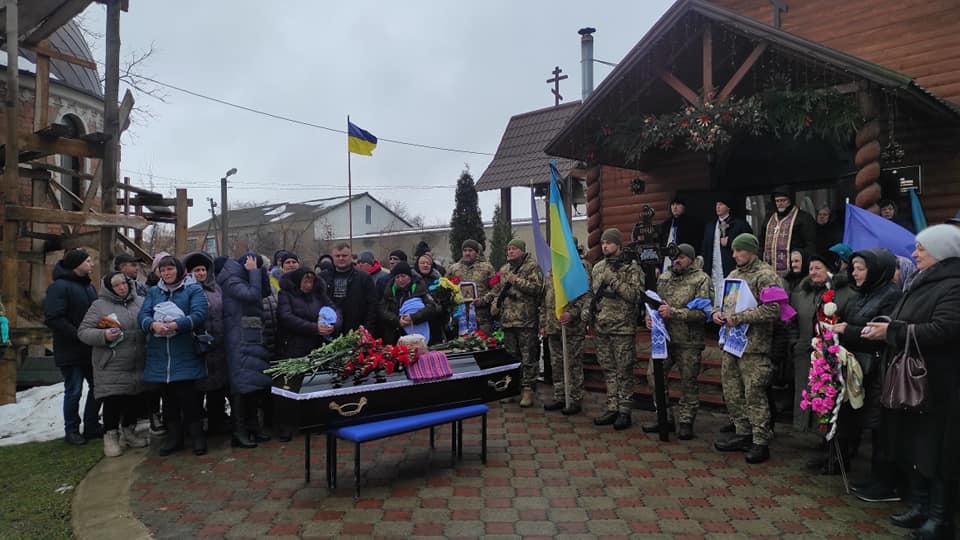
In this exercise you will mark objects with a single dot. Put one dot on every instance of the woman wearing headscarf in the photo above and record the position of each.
(926, 445)
(428, 273)
(406, 286)
(214, 387)
(110, 328)
(245, 284)
(872, 272)
(807, 299)
(906, 271)
(172, 311)
(799, 269)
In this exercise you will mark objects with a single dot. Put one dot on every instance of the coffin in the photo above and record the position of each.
(316, 405)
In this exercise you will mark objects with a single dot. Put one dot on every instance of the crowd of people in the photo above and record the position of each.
(198, 333)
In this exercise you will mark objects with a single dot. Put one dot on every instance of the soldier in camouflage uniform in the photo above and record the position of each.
(745, 379)
(617, 286)
(471, 268)
(684, 282)
(516, 300)
(576, 332)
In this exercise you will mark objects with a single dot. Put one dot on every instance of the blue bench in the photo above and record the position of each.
(372, 431)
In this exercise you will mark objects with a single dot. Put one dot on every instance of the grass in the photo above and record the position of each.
(30, 474)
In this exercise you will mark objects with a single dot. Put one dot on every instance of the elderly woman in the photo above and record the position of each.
(906, 270)
(406, 286)
(172, 311)
(872, 272)
(110, 327)
(926, 445)
(427, 270)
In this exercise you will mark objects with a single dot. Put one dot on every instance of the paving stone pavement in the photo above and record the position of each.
(547, 476)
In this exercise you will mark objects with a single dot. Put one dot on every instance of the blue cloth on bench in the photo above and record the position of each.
(385, 428)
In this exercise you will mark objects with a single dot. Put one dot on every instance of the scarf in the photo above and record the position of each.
(659, 336)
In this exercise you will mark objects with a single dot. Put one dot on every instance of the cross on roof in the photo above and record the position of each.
(556, 84)
(779, 6)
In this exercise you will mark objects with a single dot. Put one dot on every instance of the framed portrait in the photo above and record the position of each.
(468, 290)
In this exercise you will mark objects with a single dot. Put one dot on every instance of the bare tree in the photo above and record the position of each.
(400, 208)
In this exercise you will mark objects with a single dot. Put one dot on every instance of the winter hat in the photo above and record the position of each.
(829, 259)
(517, 243)
(278, 256)
(472, 244)
(612, 235)
(782, 190)
(843, 251)
(941, 241)
(156, 260)
(243, 259)
(124, 258)
(218, 264)
(422, 248)
(688, 250)
(287, 255)
(401, 268)
(747, 242)
(74, 258)
(677, 199)
(366, 257)
(400, 254)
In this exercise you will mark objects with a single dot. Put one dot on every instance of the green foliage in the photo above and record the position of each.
(466, 222)
(502, 235)
(30, 475)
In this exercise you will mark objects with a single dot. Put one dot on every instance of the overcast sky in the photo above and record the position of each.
(446, 74)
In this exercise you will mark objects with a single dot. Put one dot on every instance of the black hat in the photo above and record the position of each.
(829, 259)
(401, 268)
(366, 257)
(677, 199)
(287, 255)
(783, 190)
(218, 264)
(399, 253)
(124, 258)
(422, 248)
(74, 258)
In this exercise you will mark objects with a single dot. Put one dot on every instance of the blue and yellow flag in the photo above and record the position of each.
(919, 220)
(569, 277)
(360, 141)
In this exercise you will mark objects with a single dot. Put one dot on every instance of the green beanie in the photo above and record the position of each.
(747, 242)
(518, 243)
(612, 235)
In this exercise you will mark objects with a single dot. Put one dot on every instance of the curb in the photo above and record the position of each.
(101, 504)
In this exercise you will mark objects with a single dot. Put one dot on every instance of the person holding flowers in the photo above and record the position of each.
(406, 304)
(426, 271)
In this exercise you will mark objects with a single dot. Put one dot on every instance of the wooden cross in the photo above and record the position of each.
(779, 6)
(556, 85)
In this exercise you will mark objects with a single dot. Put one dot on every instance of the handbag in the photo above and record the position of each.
(905, 384)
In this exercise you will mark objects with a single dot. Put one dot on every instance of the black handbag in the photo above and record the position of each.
(905, 385)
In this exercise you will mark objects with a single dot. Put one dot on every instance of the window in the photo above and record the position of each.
(368, 215)
(73, 183)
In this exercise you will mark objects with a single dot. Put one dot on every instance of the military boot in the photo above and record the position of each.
(574, 408)
(526, 398)
(623, 421)
(606, 418)
(758, 453)
(737, 443)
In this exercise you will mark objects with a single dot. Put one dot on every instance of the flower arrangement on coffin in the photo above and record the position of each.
(355, 355)
(825, 384)
(477, 340)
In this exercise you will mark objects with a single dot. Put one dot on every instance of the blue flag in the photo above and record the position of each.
(542, 249)
(569, 277)
(919, 220)
(863, 229)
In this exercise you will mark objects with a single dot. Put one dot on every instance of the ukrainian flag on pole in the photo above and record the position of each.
(569, 277)
(360, 141)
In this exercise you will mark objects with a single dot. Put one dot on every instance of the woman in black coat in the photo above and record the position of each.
(872, 272)
(406, 285)
(926, 445)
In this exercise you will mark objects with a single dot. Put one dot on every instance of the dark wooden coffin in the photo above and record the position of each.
(318, 404)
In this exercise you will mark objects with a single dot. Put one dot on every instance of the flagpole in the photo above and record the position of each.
(566, 366)
(349, 186)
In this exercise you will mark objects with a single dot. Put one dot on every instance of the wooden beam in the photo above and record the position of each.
(41, 102)
(72, 147)
(33, 257)
(742, 71)
(11, 184)
(139, 190)
(61, 170)
(180, 227)
(133, 246)
(67, 10)
(125, 109)
(34, 174)
(111, 123)
(145, 201)
(50, 52)
(682, 89)
(707, 59)
(76, 198)
(49, 215)
(88, 239)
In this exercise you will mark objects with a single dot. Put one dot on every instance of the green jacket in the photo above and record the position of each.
(520, 307)
(686, 326)
(758, 275)
(617, 289)
(548, 313)
(479, 272)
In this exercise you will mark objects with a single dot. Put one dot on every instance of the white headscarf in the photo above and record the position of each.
(941, 241)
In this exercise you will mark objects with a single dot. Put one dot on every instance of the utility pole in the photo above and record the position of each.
(224, 239)
(213, 225)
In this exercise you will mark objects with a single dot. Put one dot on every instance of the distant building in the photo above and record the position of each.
(300, 227)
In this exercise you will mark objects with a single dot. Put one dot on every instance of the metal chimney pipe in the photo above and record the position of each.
(586, 61)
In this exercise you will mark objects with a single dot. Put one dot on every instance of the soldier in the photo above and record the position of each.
(471, 269)
(516, 299)
(745, 379)
(685, 281)
(617, 285)
(576, 331)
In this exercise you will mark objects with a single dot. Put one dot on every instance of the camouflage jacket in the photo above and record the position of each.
(479, 272)
(677, 290)
(548, 312)
(758, 275)
(617, 289)
(520, 307)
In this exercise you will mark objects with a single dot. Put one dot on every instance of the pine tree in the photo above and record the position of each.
(466, 222)
(502, 235)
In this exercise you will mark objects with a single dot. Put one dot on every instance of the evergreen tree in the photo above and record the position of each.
(466, 222)
(502, 235)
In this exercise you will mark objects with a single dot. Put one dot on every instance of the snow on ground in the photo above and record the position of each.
(36, 416)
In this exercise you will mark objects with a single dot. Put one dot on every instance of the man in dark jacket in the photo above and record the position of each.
(787, 229)
(352, 290)
(130, 266)
(67, 301)
(679, 228)
(718, 235)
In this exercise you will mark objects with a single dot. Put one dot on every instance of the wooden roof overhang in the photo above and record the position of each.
(697, 45)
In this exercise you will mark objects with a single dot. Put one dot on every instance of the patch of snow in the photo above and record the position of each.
(63, 489)
(281, 217)
(274, 211)
(36, 416)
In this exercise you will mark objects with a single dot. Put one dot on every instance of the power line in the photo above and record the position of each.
(301, 122)
(273, 185)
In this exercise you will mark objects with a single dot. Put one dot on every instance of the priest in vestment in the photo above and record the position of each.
(787, 229)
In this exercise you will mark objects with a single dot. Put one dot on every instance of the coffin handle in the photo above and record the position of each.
(349, 409)
(501, 385)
